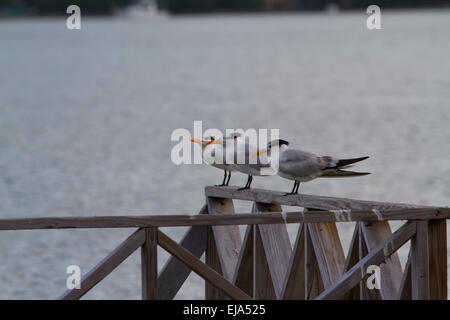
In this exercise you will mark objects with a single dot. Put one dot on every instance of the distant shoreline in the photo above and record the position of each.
(34, 13)
(233, 13)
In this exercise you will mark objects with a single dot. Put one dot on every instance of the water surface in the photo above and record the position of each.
(86, 118)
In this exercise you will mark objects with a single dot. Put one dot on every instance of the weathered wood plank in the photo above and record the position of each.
(243, 276)
(405, 291)
(353, 251)
(375, 257)
(351, 259)
(302, 200)
(174, 273)
(149, 265)
(201, 268)
(213, 261)
(420, 263)
(313, 281)
(263, 288)
(390, 271)
(277, 247)
(294, 284)
(228, 238)
(437, 248)
(328, 250)
(107, 265)
(223, 220)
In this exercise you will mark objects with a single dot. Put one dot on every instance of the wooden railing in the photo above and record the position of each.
(264, 265)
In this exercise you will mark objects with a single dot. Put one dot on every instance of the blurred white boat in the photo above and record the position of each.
(332, 8)
(142, 9)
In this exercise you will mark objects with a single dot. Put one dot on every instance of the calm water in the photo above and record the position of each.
(86, 118)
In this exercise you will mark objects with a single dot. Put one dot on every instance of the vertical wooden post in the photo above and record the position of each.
(328, 251)
(227, 238)
(263, 288)
(390, 270)
(365, 293)
(404, 292)
(420, 262)
(437, 248)
(149, 264)
(352, 259)
(277, 247)
(294, 284)
(212, 260)
(243, 276)
(223, 244)
(313, 281)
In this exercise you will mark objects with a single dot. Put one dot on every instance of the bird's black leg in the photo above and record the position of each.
(224, 178)
(295, 185)
(247, 185)
(251, 180)
(298, 185)
(229, 177)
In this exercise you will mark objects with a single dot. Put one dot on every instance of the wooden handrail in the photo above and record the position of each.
(224, 219)
(264, 265)
(303, 200)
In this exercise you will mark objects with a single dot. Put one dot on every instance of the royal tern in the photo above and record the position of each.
(303, 166)
(241, 155)
(213, 153)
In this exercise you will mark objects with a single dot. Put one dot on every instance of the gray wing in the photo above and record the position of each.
(299, 163)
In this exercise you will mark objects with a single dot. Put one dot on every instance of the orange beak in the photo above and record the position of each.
(205, 142)
(257, 153)
(213, 142)
(196, 140)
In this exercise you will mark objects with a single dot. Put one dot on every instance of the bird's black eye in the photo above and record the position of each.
(212, 138)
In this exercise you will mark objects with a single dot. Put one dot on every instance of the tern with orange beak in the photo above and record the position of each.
(303, 166)
(241, 154)
(213, 153)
